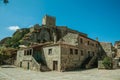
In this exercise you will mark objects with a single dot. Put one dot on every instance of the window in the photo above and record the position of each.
(93, 53)
(88, 53)
(25, 52)
(76, 51)
(30, 51)
(81, 52)
(96, 45)
(49, 51)
(88, 42)
(71, 51)
(81, 40)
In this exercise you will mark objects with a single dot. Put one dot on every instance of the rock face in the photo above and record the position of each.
(16, 38)
(50, 34)
(47, 32)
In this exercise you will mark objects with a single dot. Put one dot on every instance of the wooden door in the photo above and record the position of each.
(20, 64)
(55, 65)
(28, 66)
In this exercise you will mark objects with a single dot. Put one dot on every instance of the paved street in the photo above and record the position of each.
(12, 73)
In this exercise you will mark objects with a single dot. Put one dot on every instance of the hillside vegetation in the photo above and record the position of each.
(14, 41)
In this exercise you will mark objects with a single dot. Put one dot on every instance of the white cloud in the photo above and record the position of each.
(13, 28)
(30, 26)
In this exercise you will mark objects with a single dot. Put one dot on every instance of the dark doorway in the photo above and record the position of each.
(20, 64)
(28, 67)
(55, 65)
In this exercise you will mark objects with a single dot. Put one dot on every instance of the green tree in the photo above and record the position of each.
(107, 62)
(17, 37)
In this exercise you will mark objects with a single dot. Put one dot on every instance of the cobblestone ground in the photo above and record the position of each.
(92, 74)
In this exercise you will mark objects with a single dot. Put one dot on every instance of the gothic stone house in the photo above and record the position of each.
(59, 48)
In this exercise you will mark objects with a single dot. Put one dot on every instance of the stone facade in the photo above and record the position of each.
(117, 47)
(52, 57)
(69, 53)
(70, 57)
(26, 60)
(71, 38)
(107, 49)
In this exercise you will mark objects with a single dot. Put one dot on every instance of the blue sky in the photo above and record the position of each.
(97, 18)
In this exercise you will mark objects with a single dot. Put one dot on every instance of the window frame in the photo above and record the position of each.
(71, 51)
(81, 40)
(88, 43)
(76, 51)
(81, 53)
(88, 53)
(50, 51)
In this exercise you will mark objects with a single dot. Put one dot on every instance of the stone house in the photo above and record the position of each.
(117, 47)
(71, 53)
(58, 48)
(59, 57)
(111, 51)
(108, 49)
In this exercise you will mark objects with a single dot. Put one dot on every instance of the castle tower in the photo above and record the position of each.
(49, 21)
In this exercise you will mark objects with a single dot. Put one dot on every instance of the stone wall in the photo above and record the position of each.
(51, 54)
(117, 47)
(118, 52)
(20, 54)
(88, 46)
(71, 38)
(100, 65)
(27, 61)
(70, 60)
(26, 64)
(74, 60)
(107, 47)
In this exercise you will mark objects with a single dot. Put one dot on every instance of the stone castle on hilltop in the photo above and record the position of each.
(60, 48)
